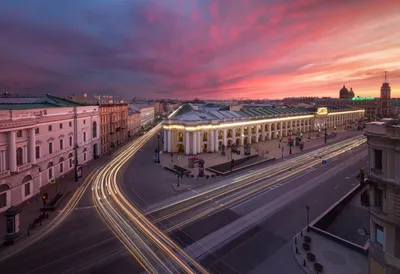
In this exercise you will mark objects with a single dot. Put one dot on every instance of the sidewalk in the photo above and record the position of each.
(65, 184)
(334, 257)
(271, 146)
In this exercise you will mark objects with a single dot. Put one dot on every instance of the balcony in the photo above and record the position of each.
(376, 252)
(4, 174)
(24, 167)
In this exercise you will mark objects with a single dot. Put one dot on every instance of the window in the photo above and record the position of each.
(37, 130)
(61, 144)
(50, 170)
(20, 155)
(50, 148)
(378, 159)
(70, 141)
(61, 162)
(50, 128)
(37, 152)
(61, 126)
(70, 124)
(84, 136)
(378, 198)
(84, 156)
(379, 234)
(3, 199)
(19, 133)
(27, 188)
(94, 129)
(70, 160)
(84, 121)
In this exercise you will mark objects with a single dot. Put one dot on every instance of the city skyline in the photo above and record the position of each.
(202, 49)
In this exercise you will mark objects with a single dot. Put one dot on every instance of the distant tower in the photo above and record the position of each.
(385, 98)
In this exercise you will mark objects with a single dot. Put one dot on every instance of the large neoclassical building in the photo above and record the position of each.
(197, 129)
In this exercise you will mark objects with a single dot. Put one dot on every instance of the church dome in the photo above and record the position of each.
(344, 90)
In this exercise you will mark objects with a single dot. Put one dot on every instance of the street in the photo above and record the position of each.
(84, 244)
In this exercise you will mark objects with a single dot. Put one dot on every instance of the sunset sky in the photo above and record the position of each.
(215, 49)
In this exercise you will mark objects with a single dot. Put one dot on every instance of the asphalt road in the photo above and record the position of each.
(83, 243)
(265, 248)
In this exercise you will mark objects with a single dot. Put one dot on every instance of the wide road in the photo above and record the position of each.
(264, 246)
(84, 244)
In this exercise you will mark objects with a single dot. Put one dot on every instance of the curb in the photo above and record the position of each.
(302, 259)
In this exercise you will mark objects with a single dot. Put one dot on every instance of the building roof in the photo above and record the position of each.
(189, 114)
(9, 101)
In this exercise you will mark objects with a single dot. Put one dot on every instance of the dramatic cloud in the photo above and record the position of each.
(199, 48)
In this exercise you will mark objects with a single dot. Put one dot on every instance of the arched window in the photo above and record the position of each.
(61, 162)
(20, 156)
(26, 179)
(4, 198)
(70, 160)
(50, 170)
(27, 186)
(94, 129)
(180, 137)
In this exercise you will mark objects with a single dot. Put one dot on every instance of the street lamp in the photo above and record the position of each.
(308, 218)
(177, 178)
(326, 134)
(290, 143)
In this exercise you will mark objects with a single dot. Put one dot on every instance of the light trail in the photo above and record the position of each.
(299, 164)
(145, 242)
(54, 223)
(257, 189)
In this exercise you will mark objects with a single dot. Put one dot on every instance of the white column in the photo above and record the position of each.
(241, 136)
(216, 140)
(281, 133)
(194, 143)
(12, 153)
(212, 139)
(234, 136)
(257, 133)
(396, 164)
(165, 140)
(199, 142)
(169, 140)
(3, 161)
(224, 137)
(187, 143)
(32, 146)
(263, 132)
(25, 155)
(269, 132)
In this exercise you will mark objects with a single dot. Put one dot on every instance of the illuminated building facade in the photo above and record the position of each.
(198, 131)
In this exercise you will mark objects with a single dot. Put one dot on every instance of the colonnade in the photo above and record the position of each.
(194, 140)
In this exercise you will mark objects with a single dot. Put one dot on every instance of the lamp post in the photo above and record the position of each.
(290, 143)
(177, 179)
(158, 149)
(326, 134)
(308, 218)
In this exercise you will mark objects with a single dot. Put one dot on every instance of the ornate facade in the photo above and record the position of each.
(199, 131)
(384, 181)
(42, 141)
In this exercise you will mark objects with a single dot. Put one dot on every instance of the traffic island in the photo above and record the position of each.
(240, 164)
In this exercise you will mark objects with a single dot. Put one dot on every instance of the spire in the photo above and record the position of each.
(385, 77)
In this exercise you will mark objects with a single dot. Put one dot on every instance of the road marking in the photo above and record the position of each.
(336, 186)
(84, 207)
(347, 178)
(315, 201)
